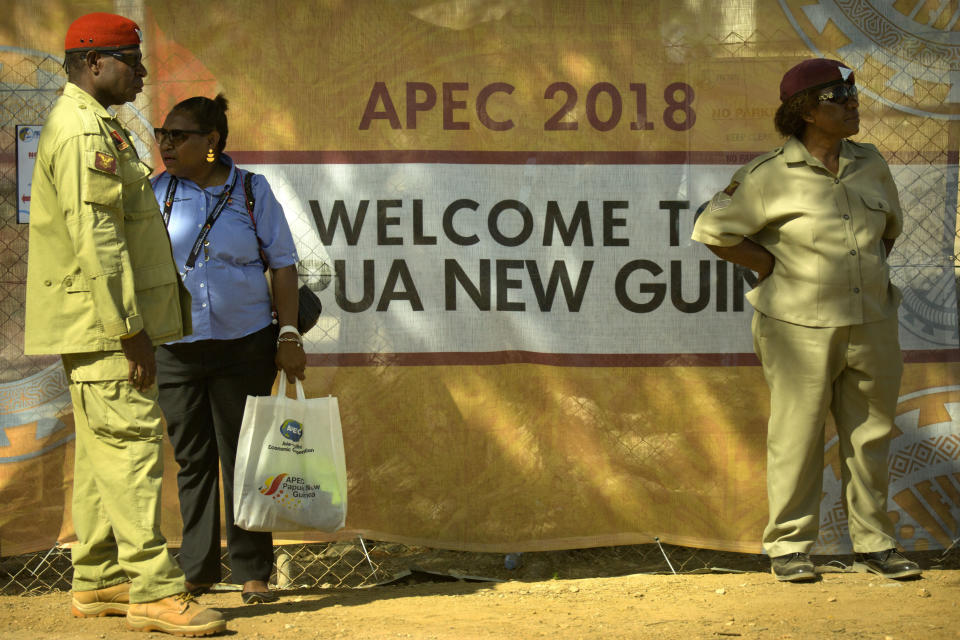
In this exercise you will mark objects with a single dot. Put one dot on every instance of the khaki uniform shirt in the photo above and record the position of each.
(826, 233)
(100, 263)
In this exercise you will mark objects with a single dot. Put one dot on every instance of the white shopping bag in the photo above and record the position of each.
(290, 470)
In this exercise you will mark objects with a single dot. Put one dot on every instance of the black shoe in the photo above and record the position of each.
(889, 564)
(793, 567)
(258, 597)
(197, 588)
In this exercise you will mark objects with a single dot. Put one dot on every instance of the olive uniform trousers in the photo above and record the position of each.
(854, 372)
(117, 478)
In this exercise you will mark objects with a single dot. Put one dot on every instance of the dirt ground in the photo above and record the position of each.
(576, 600)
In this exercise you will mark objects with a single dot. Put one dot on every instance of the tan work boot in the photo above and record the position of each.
(109, 601)
(179, 615)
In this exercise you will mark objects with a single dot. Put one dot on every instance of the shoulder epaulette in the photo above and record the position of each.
(751, 166)
(87, 117)
(864, 145)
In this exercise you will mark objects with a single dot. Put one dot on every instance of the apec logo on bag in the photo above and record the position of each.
(291, 491)
(291, 430)
(272, 485)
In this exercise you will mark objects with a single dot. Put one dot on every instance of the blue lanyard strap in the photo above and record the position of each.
(205, 230)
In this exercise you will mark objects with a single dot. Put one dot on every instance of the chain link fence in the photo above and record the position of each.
(365, 563)
(29, 84)
(299, 566)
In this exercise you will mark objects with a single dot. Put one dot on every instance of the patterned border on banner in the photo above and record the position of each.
(40, 400)
(924, 476)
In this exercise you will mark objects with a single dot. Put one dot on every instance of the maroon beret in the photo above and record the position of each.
(102, 31)
(816, 72)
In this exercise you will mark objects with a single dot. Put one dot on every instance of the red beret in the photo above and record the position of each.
(102, 31)
(817, 72)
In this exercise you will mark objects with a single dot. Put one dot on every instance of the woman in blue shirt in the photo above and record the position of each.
(222, 250)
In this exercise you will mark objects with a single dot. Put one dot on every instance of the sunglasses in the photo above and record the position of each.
(175, 136)
(839, 94)
(131, 59)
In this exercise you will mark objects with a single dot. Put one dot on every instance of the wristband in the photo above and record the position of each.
(288, 328)
(295, 340)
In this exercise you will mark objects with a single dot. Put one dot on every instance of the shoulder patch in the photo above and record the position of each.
(731, 188)
(118, 141)
(105, 162)
(719, 201)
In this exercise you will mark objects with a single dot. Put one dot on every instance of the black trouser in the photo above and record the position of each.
(203, 390)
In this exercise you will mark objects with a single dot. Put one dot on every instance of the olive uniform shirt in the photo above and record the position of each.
(100, 263)
(826, 233)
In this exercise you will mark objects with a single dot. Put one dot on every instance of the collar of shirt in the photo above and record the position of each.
(795, 152)
(73, 91)
(216, 190)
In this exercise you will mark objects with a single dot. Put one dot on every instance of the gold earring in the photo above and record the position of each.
(210, 156)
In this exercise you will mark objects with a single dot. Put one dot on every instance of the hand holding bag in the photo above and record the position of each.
(290, 471)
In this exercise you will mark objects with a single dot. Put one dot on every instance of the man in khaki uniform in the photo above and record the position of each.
(102, 290)
(816, 220)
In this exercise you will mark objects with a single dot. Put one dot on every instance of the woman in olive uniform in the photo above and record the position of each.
(816, 220)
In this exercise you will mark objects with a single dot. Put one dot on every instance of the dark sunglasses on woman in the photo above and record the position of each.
(176, 136)
(839, 94)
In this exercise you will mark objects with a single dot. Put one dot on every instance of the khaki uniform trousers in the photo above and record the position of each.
(117, 477)
(854, 372)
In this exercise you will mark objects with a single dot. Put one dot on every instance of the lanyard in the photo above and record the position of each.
(205, 230)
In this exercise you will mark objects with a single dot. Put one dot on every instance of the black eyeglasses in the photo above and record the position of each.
(175, 136)
(131, 59)
(839, 94)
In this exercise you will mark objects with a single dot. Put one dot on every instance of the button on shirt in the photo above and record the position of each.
(230, 295)
(825, 232)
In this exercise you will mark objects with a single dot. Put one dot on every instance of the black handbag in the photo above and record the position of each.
(309, 307)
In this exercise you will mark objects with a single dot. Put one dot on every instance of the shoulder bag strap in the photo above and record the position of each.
(251, 201)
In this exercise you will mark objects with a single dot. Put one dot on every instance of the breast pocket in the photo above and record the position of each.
(102, 183)
(875, 203)
(877, 211)
(138, 198)
(158, 297)
(146, 235)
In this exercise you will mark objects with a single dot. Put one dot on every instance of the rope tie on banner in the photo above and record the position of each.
(33, 571)
(943, 555)
(657, 540)
(366, 555)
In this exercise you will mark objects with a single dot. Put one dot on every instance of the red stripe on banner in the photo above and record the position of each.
(395, 156)
(468, 358)
(931, 355)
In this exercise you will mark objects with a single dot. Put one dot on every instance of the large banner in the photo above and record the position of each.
(494, 200)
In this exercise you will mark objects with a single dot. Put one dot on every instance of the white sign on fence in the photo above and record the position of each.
(28, 137)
